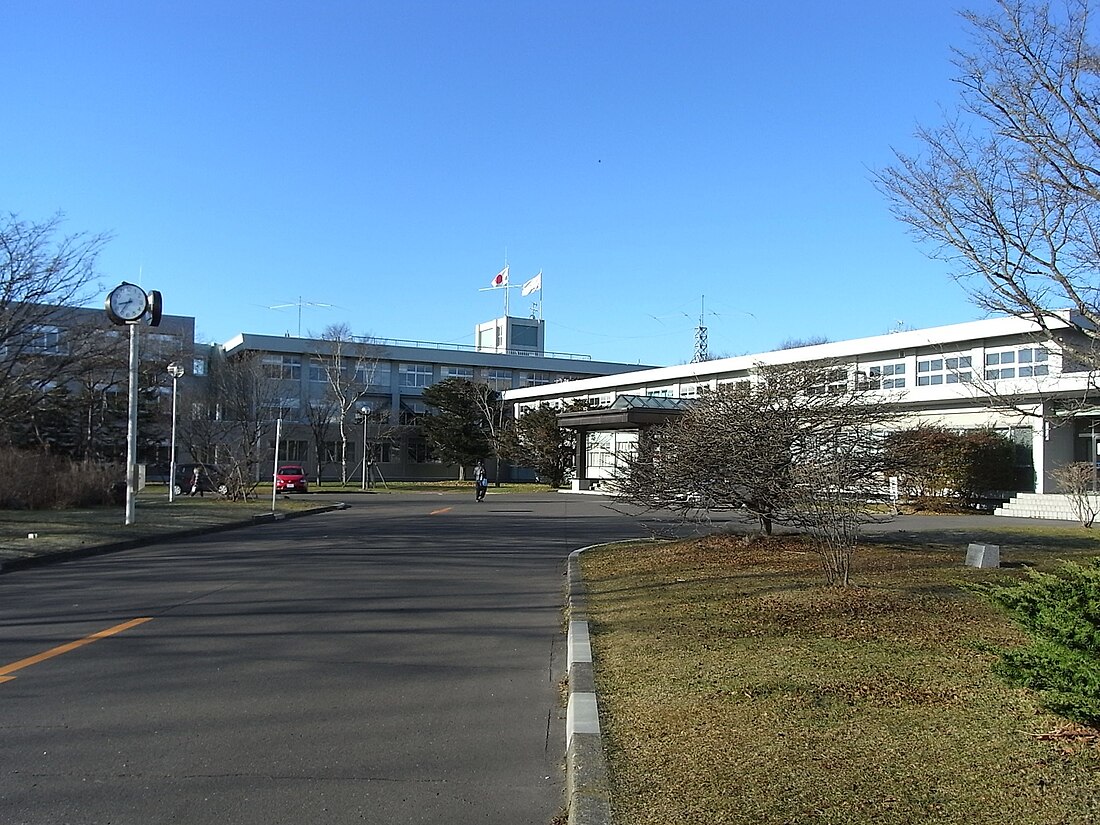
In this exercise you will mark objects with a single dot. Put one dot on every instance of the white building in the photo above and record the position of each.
(1001, 373)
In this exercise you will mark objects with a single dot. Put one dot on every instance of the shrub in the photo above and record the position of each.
(1062, 611)
(933, 462)
(38, 481)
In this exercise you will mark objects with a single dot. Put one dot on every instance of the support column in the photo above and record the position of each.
(580, 473)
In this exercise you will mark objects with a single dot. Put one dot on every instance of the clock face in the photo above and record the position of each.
(127, 302)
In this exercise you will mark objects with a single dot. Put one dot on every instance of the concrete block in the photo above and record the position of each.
(983, 555)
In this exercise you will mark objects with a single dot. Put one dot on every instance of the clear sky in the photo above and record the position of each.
(385, 157)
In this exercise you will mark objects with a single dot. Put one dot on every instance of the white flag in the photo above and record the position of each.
(534, 285)
(501, 278)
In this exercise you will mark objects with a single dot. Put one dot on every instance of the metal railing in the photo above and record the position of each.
(404, 342)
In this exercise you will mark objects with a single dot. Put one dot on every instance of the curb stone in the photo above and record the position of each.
(26, 562)
(586, 785)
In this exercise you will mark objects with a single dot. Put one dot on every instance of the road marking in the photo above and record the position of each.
(441, 510)
(66, 648)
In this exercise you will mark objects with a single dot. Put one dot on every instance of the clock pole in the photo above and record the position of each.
(130, 305)
(131, 429)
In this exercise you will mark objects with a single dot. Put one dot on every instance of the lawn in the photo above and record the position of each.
(735, 687)
(62, 530)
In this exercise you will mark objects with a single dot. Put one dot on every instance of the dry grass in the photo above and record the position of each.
(70, 529)
(736, 688)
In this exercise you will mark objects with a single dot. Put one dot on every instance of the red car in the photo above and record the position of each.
(291, 478)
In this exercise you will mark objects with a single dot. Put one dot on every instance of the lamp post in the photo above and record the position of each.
(175, 370)
(364, 413)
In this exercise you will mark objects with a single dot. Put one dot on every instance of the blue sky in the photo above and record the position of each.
(384, 157)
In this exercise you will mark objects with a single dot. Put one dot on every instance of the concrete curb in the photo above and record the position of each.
(586, 784)
(26, 562)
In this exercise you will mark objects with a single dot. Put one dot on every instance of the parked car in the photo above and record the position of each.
(211, 479)
(291, 478)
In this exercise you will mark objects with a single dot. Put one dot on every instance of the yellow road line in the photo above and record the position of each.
(66, 648)
(441, 510)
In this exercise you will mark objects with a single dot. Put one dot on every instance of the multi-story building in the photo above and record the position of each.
(384, 381)
(1001, 373)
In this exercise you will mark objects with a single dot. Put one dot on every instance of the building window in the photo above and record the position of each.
(283, 367)
(660, 392)
(198, 366)
(412, 412)
(416, 375)
(466, 373)
(1025, 362)
(829, 382)
(45, 340)
(419, 451)
(499, 379)
(373, 374)
(886, 377)
(292, 450)
(954, 369)
(534, 379)
(317, 372)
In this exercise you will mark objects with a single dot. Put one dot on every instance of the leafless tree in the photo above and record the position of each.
(42, 274)
(1078, 481)
(348, 363)
(319, 414)
(1008, 188)
(235, 418)
(791, 445)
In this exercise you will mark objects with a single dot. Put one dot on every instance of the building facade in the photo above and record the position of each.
(384, 380)
(1003, 373)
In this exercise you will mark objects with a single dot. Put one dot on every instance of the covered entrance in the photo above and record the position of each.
(605, 434)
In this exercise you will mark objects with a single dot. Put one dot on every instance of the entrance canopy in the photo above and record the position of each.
(629, 412)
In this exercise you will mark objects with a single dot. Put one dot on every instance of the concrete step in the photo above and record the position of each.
(1044, 505)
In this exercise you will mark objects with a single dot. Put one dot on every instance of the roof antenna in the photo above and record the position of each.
(701, 334)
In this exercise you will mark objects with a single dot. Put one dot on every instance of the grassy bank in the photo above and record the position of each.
(736, 688)
(58, 530)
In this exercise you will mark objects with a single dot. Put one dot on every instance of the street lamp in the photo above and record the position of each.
(175, 370)
(364, 413)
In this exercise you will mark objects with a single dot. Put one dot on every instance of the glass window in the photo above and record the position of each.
(499, 379)
(283, 367)
(534, 379)
(885, 377)
(459, 372)
(375, 374)
(317, 372)
(416, 375)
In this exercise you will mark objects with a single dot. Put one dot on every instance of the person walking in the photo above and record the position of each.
(196, 483)
(481, 480)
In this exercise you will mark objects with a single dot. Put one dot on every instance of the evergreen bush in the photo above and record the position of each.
(1061, 610)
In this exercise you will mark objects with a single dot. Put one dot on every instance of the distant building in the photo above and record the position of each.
(508, 353)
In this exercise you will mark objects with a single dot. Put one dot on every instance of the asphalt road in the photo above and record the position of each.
(397, 662)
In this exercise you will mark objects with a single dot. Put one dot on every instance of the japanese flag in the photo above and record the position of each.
(501, 278)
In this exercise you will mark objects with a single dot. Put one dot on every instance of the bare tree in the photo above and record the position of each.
(348, 366)
(42, 275)
(319, 414)
(1078, 481)
(792, 445)
(1008, 189)
(235, 418)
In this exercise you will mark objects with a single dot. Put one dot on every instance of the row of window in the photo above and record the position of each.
(415, 451)
(1027, 362)
(289, 368)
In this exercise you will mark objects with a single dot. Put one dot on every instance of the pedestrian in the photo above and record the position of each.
(196, 483)
(481, 480)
